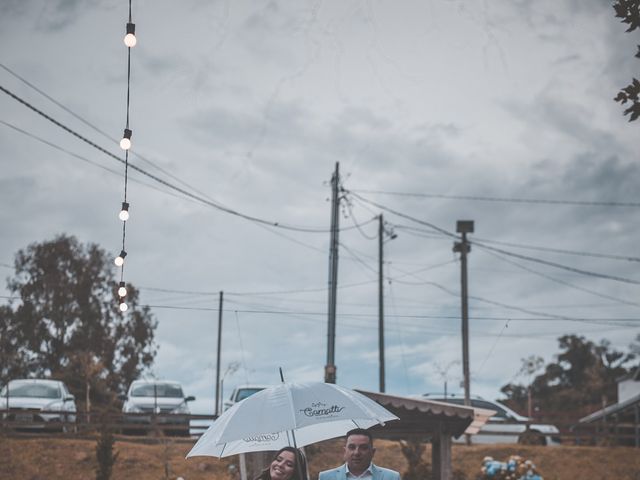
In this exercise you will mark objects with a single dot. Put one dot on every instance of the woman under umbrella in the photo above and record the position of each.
(288, 463)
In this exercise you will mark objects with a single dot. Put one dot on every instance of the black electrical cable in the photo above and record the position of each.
(503, 199)
(168, 184)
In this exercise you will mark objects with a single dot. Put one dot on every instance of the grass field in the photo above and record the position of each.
(55, 458)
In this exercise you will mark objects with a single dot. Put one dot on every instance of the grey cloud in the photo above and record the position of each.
(602, 179)
(13, 8)
(57, 15)
(219, 124)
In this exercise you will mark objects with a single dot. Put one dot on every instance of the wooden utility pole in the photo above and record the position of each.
(217, 412)
(463, 227)
(330, 367)
(381, 303)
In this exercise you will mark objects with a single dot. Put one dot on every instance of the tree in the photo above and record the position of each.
(67, 315)
(583, 375)
(629, 12)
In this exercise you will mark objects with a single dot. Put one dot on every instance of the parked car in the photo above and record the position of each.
(38, 404)
(156, 401)
(506, 426)
(241, 392)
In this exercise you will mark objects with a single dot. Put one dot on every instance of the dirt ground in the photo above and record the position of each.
(54, 458)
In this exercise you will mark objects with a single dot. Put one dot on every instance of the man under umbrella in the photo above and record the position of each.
(358, 456)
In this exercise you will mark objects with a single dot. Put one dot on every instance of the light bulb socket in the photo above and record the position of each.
(122, 254)
(125, 206)
(131, 28)
(127, 133)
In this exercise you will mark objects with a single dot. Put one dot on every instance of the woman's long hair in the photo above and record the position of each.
(300, 470)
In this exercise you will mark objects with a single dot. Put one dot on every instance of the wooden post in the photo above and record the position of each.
(441, 453)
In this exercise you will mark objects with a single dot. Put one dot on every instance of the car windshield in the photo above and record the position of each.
(247, 392)
(31, 390)
(164, 390)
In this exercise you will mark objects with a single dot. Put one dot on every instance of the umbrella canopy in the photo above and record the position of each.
(294, 414)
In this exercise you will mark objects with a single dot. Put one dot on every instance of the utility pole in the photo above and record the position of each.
(463, 227)
(380, 303)
(382, 231)
(217, 412)
(330, 367)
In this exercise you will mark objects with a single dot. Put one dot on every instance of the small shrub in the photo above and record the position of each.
(104, 453)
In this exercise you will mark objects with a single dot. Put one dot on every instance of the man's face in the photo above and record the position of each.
(358, 453)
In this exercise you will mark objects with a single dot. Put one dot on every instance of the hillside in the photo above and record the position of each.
(42, 458)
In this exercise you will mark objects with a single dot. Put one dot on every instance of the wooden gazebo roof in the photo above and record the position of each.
(424, 418)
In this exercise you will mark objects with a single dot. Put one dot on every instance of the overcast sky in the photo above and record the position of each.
(432, 109)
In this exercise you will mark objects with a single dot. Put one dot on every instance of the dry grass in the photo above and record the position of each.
(54, 458)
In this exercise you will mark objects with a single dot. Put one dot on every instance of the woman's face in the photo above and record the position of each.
(283, 466)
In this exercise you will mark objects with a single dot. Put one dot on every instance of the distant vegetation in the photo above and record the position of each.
(580, 380)
(63, 321)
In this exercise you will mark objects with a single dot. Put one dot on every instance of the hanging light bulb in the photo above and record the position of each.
(123, 306)
(130, 38)
(122, 290)
(125, 143)
(119, 261)
(124, 213)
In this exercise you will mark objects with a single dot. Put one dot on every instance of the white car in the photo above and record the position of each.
(38, 404)
(241, 392)
(506, 426)
(162, 402)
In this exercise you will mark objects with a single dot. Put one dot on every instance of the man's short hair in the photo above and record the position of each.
(360, 431)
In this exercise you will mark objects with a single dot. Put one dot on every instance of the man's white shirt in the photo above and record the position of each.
(366, 475)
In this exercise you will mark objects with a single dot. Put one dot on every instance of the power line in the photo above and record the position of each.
(258, 293)
(353, 218)
(504, 199)
(94, 127)
(358, 259)
(80, 157)
(506, 325)
(562, 282)
(416, 328)
(416, 317)
(558, 265)
(505, 252)
(403, 215)
(427, 234)
(89, 161)
(164, 182)
(564, 251)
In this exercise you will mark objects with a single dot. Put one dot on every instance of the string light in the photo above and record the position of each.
(125, 143)
(123, 306)
(124, 212)
(119, 261)
(122, 290)
(130, 39)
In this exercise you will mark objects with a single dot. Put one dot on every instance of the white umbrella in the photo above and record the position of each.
(289, 414)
